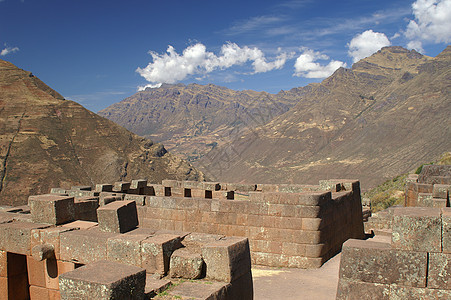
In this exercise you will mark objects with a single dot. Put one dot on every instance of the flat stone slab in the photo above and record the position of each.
(103, 280)
(200, 290)
(155, 286)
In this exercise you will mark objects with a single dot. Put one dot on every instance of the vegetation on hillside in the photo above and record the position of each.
(392, 192)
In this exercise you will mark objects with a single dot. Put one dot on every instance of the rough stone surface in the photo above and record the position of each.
(227, 259)
(84, 246)
(439, 273)
(350, 289)
(200, 290)
(186, 264)
(156, 252)
(417, 229)
(103, 280)
(446, 229)
(118, 216)
(126, 249)
(378, 263)
(52, 209)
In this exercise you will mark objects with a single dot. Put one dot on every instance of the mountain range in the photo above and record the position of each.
(47, 141)
(382, 117)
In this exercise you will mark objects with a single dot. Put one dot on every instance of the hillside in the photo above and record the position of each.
(193, 119)
(384, 116)
(46, 141)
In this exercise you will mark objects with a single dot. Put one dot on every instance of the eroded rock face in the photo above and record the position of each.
(47, 141)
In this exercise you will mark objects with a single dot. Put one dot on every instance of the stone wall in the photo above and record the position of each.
(288, 225)
(415, 265)
(47, 253)
(430, 188)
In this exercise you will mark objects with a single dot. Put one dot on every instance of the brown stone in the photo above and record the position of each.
(16, 236)
(350, 289)
(402, 292)
(186, 263)
(121, 186)
(378, 263)
(156, 252)
(227, 259)
(446, 229)
(126, 249)
(103, 280)
(118, 216)
(439, 271)
(417, 229)
(84, 246)
(201, 290)
(52, 209)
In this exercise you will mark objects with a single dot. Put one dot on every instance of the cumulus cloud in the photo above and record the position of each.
(172, 67)
(366, 43)
(306, 65)
(8, 50)
(432, 23)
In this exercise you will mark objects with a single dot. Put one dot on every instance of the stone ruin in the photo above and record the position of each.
(416, 261)
(57, 248)
(415, 264)
(428, 189)
(133, 239)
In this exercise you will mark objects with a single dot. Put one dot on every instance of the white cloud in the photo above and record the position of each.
(365, 44)
(8, 50)
(306, 65)
(152, 86)
(252, 24)
(172, 67)
(432, 23)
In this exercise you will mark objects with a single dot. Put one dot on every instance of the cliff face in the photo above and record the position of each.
(383, 117)
(46, 141)
(193, 119)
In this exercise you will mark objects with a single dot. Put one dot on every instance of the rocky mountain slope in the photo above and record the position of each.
(385, 116)
(46, 141)
(193, 119)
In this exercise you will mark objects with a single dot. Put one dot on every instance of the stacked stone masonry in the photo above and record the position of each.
(56, 248)
(430, 188)
(415, 265)
(299, 226)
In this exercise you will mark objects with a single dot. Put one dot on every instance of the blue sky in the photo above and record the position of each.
(100, 52)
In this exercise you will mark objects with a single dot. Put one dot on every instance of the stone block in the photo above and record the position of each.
(171, 183)
(106, 198)
(138, 184)
(118, 216)
(424, 200)
(189, 184)
(350, 289)
(441, 191)
(3, 263)
(211, 186)
(103, 188)
(439, 271)
(227, 259)
(60, 191)
(156, 252)
(53, 269)
(126, 249)
(446, 229)
(36, 272)
(155, 286)
(398, 292)
(121, 186)
(376, 262)
(417, 229)
(84, 246)
(201, 290)
(16, 237)
(186, 263)
(85, 208)
(139, 199)
(82, 225)
(103, 280)
(52, 209)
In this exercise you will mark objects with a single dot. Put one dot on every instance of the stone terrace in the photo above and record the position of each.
(55, 250)
(298, 226)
